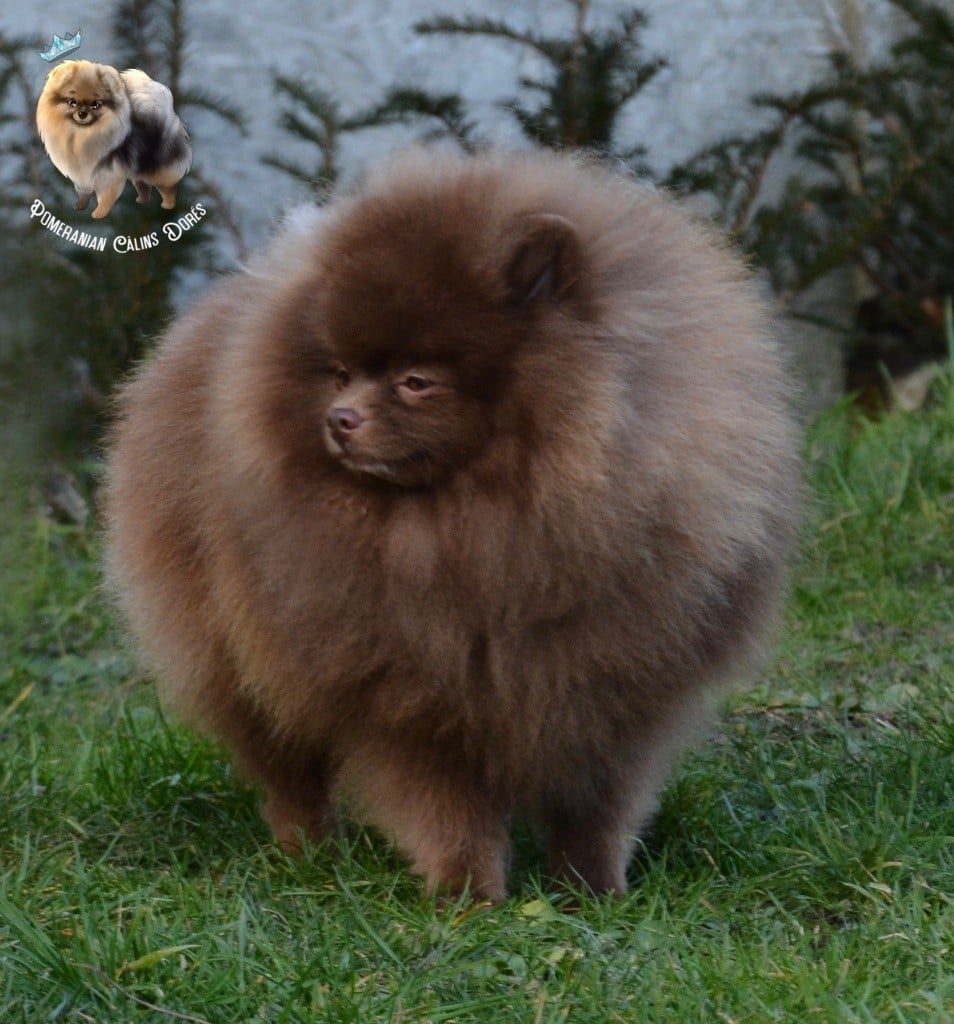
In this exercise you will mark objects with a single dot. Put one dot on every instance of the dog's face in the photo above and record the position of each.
(397, 401)
(407, 423)
(83, 95)
(418, 328)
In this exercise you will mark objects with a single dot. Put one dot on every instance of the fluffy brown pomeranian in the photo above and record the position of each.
(101, 127)
(458, 508)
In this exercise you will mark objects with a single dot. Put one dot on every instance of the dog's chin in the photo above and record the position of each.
(381, 470)
(412, 471)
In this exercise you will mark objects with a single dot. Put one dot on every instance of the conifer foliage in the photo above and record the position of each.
(874, 152)
(312, 116)
(587, 82)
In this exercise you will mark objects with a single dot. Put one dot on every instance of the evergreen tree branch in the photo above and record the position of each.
(201, 99)
(484, 27)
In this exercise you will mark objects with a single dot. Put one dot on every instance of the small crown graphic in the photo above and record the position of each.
(62, 45)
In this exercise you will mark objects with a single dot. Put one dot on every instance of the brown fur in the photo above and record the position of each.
(562, 519)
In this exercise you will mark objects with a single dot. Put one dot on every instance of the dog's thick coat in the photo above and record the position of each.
(458, 506)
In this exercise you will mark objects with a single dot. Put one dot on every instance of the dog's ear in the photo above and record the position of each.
(111, 79)
(62, 73)
(544, 258)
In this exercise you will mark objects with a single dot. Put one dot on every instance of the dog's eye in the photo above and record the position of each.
(342, 377)
(94, 105)
(416, 383)
(71, 103)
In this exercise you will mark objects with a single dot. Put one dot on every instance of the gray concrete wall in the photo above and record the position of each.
(720, 53)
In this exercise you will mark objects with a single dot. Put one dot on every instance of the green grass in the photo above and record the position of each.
(802, 868)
